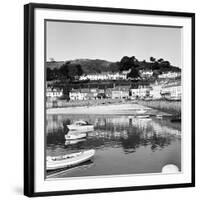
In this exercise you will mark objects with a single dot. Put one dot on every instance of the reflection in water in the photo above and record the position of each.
(123, 144)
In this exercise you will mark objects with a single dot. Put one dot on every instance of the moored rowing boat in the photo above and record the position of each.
(69, 160)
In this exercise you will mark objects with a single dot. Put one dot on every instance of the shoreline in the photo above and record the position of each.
(111, 109)
(171, 107)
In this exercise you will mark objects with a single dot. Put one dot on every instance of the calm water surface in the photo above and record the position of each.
(123, 144)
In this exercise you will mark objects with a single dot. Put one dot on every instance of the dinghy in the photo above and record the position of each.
(81, 126)
(141, 111)
(70, 142)
(69, 160)
(75, 136)
(142, 116)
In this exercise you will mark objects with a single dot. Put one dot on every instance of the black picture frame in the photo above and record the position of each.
(29, 95)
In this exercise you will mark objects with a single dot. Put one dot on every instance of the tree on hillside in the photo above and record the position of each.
(49, 74)
(127, 63)
(74, 70)
(79, 70)
(134, 73)
(155, 66)
(165, 64)
(64, 71)
(69, 71)
(144, 61)
(160, 60)
(132, 59)
(156, 73)
(52, 74)
(124, 63)
(152, 59)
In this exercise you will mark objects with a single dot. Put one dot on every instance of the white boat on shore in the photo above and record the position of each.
(69, 160)
(81, 126)
(75, 136)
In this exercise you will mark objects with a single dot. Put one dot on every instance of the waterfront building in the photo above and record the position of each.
(84, 94)
(120, 92)
(172, 91)
(155, 91)
(140, 92)
(53, 93)
(76, 94)
(94, 92)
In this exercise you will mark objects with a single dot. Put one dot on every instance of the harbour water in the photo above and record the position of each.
(124, 144)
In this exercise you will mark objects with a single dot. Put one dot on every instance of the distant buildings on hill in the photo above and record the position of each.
(146, 74)
(105, 76)
(170, 75)
(143, 74)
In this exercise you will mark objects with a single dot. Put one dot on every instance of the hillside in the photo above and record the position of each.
(97, 66)
(54, 64)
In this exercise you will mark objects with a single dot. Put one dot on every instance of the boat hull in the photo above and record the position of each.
(142, 116)
(80, 128)
(75, 136)
(76, 159)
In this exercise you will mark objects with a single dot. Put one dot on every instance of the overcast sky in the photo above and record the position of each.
(67, 40)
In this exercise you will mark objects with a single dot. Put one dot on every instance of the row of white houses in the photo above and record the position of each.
(145, 74)
(170, 75)
(105, 76)
(154, 91)
(53, 93)
(125, 92)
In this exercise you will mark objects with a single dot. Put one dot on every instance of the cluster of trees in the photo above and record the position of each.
(157, 65)
(67, 71)
(127, 63)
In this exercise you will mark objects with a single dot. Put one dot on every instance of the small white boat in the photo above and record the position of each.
(141, 111)
(159, 116)
(75, 136)
(76, 132)
(81, 126)
(69, 160)
(145, 119)
(70, 142)
(143, 116)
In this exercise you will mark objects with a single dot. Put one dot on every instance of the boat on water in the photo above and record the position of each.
(159, 116)
(142, 116)
(70, 142)
(81, 126)
(75, 136)
(141, 111)
(76, 132)
(69, 160)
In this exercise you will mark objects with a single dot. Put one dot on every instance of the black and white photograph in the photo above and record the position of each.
(109, 99)
(113, 99)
